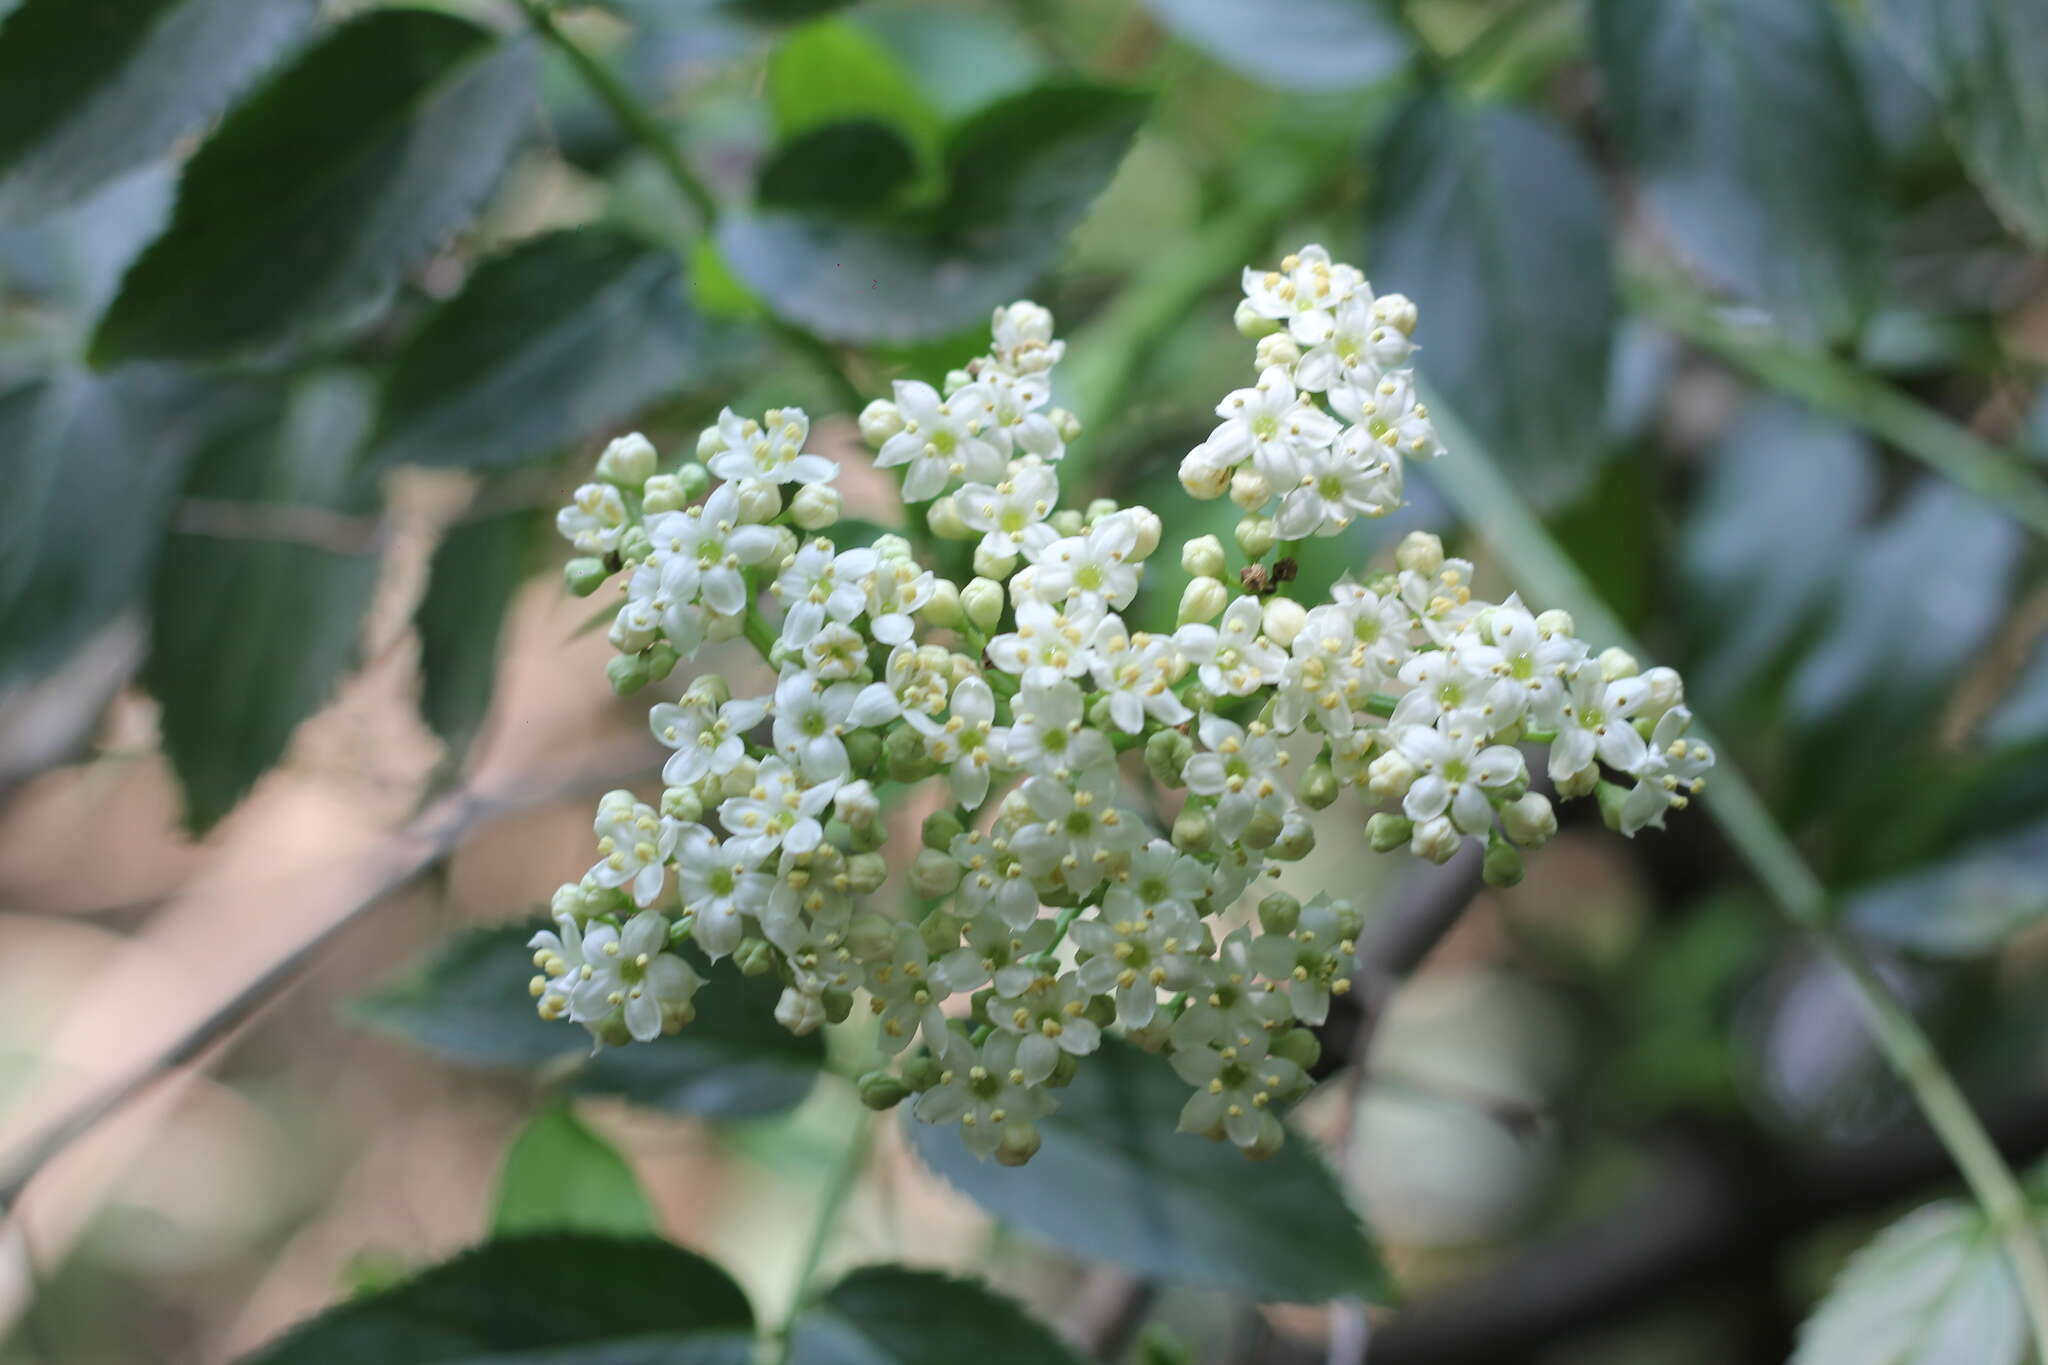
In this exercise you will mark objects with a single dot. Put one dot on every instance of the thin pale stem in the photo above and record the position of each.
(839, 1187)
(1475, 485)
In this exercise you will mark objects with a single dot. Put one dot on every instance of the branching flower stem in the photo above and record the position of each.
(1476, 487)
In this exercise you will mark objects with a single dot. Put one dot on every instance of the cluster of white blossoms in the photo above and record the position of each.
(1051, 903)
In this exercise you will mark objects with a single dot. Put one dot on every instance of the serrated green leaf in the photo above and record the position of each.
(1745, 122)
(1312, 45)
(1932, 1289)
(1492, 220)
(252, 627)
(843, 166)
(559, 1176)
(91, 90)
(316, 193)
(1986, 61)
(558, 1297)
(1022, 174)
(475, 572)
(893, 1315)
(1114, 1181)
(562, 335)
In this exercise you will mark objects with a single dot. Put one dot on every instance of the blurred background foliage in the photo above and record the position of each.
(310, 313)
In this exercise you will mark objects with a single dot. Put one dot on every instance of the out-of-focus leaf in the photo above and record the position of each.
(91, 90)
(469, 1003)
(1022, 173)
(91, 464)
(72, 261)
(1493, 222)
(1746, 124)
(477, 568)
(252, 627)
(2022, 716)
(1114, 1181)
(554, 1296)
(732, 1061)
(1964, 905)
(1310, 45)
(1765, 540)
(962, 60)
(341, 172)
(843, 166)
(1919, 596)
(893, 1315)
(835, 71)
(1987, 63)
(560, 336)
(1933, 1288)
(559, 1176)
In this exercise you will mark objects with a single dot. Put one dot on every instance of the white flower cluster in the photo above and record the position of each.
(1050, 906)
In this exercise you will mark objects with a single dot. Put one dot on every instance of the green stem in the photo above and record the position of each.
(1484, 497)
(760, 635)
(1860, 399)
(839, 1186)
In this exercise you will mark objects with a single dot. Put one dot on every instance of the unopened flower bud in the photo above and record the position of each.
(1065, 423)
(634, 545)
(707, 689)
(934, 873)
(1396, 311)
(1019, 1143)
(815, 506)
(993, 565)
(1148, 528)
(627, 673)
(1022, 585)
(880, 1090)
(1202, 475)
(1297, 1045)
(1529, 819)
(940, 931)
(1279, 913)
(943, 608)
(1202, 600)
(628, 461)
(1554, 622)
(1503, 864)
(662, 493)
(682, 803)
(866, 872)
(1263, 829)
(879, 421)
(1166, 756)
(1192, 830)
(1284, 619)
(940, 829)
(721, 628)
(943, 517)
(1203, 557)
(1255, 536)
(760, 501)
(1251, 323)
(870, 936)
(904, 755)
(1420, 552)
(856, 803)
(711, 444)
(981, 602)
(1297, 839)
(1436, 839)
(1068, 521)
(799, 1013)
(838, 1005)
(1098, 510)
(1387, 831)
(1580, 783)
(661, 660)
(1666, 690)
(1389, 776)
(921, 1072)
(585, 575)
(1319, 787)
(754, 957)
(1249, 489)
(1617, 663)
(1277, 348)
(694, 478)
(568, 900)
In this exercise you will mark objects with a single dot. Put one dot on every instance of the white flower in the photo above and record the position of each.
(780, 812)
(960, 744)
(1392, 414)
(1047, 645)
(835, 653)
(1272, 426)
(1023, 341)
(772, 451)
(993, 881)
(709, 740)
(1232, 656)
(1361, 347)
(903, 992)
(625, 970)
(1594, 724)
(1308, 962)
(1047, 734)
(896, 590)
(709, 543)
(1672, 770)
(1533, 668)
(1081, 830)
(984, 1091)
(1011, 515)
(1303, 292)
(1136, 673)
(1456, 773)
(812, 718)
(633, 845)
(1226, 1006)
(1338, 484)
(1049, 1016)
(1236, 1088)
(1242, 770)
(594, 519)
(720, 887)
(817, 585)
(994, 952)
(1095, 570)
(943, 439)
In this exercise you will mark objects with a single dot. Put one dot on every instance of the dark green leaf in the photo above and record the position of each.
(1932, 1289)
(559, 1176)
(1964, 906)
(91, 464)
(1986, 61)
(318, 191)
(90, 90)
(1023, 173)
(843, 166)
(1746, 123)
(256, 612)
(562, 335)
(1114, 1181)
(1761, 551)
(892, 1315)
(554, 1297)
(962, 60)
(1310, 45)
(1493, 222)
(468, 1002)
(477, 568)
(732, 1061)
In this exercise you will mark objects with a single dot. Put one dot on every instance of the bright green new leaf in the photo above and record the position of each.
(559, 1176)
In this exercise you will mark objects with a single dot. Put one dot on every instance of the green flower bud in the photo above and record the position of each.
(815, 507)
(1166, 757)
(940, 829)
(754, 956)
(1298, 1045)
(921, 1072)
(940, 931)
(1251, 323)
(1198, 699)
(870, 936)
(661, 660)
(1019, 1143)
(981, 601)
(1254, 534)
(694, 478)
(1279, 913)
(1529, 819)
(1503, 865)
(943, 610)
(865, 872)
(1098, 715)
(879, 421)
(880, 1090)
(1584, 782)
(663, 493)
(863, 749)
(585, 576)
(1192, 830)
(1203, 557)
(1064, 1068)
(1612, 798)
(1297, 840)
(1388, 831)
(628, 461)
(1350, 923)
(943, 516)
(707, 689)
(903, 753)
(1283, 619)
(634, 544)
(627, 674)
(933, 873)
(1263, 830)
(838, 1005)
(1202, 600)
(1067, 522)
(1319, 787)
(1101, 1011)
(682, 803)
